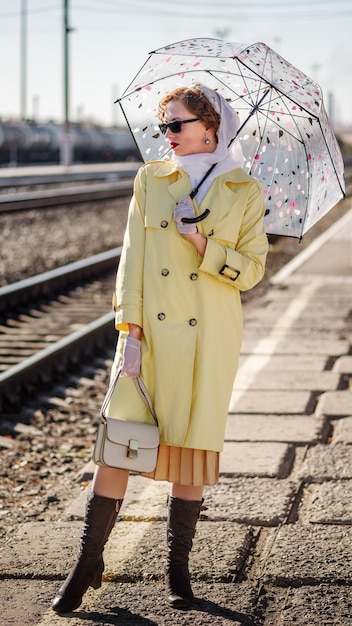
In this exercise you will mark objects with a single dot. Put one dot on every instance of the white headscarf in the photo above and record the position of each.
(226, 159)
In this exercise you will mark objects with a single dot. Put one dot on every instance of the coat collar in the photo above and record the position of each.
(180, 186)
(167, 168)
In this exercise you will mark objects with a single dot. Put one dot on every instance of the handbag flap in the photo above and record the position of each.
(123, 431)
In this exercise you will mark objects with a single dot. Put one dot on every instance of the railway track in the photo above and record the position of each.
(58, 316)
(37, 188)
(51, 319)
(90, 191)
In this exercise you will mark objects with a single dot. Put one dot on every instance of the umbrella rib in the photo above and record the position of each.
(303, 145)
(157, 80)
(282, 93)
(132, 81)
(130, 129)
(255, 105)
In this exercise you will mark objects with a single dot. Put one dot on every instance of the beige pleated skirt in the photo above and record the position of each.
(186, 466)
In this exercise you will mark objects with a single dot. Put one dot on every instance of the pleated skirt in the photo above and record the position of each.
(186, 466)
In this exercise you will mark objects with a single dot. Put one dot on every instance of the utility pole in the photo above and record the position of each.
(23, 59)
(66, 147)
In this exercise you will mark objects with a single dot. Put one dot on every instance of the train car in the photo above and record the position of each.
(28, 143)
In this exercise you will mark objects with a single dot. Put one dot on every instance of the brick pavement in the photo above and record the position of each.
(274, 546)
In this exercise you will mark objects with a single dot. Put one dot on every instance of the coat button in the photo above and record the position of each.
(161, 316)
(164, 224)
(165, 272)
(192, 322)
(211, 233)
(193, 276)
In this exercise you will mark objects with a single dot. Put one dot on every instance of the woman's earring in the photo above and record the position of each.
(207, 141)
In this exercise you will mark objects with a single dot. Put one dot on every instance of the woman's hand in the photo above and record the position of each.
(184, 208)
(198, 241)
(131, 361)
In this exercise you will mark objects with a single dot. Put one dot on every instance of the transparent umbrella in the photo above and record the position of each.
(286, 137)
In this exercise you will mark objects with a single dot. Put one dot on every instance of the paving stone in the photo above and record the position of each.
(306, 321)
(327, 462)
(306, 555)
(219, 550)
(292, 363)
(328, 346)
(343, 365)
(329, 503)
(290, 380)
(285, 428)
(322, 605)
(41, 550)
(24, 602)
(343, 431)
(335, 403)
(135, 551)
(270, 460)
(76, 509)
(270, 402)
(145, 500)
(143, 604)
(307, 318)
(290, 345)
(27, 603)
(322, 266)
(335, 302)
(246, 500)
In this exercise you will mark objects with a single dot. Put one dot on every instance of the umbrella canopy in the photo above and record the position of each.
(285, 134)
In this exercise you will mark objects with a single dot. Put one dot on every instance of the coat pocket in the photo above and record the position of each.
(158, 217)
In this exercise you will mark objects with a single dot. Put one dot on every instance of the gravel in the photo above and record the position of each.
(35, 241)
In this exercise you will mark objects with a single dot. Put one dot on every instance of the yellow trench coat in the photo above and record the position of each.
(189, 307)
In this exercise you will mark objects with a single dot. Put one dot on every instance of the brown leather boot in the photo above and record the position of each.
(181, 526)
(101, 514)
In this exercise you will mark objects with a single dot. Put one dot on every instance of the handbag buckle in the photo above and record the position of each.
(132, 451)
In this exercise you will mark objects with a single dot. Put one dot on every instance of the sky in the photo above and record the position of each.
(110, 40)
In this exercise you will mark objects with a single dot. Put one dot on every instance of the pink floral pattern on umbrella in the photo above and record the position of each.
(285, 134)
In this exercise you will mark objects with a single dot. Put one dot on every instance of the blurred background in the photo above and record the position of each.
(65, 62)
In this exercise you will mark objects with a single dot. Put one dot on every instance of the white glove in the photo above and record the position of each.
(183, 209)
(131, 361)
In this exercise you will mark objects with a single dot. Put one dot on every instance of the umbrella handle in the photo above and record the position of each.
(194, 220)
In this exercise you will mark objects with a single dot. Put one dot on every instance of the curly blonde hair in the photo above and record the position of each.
(196, 102)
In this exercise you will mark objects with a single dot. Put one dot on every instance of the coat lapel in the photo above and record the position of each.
(219, 199)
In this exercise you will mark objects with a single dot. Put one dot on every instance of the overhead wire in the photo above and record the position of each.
(279, 4)
(158, 7)
(281, 11)
(30, 12)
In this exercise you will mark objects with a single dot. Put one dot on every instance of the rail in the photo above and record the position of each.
(20, 377)
(50, 174)
(21, 201)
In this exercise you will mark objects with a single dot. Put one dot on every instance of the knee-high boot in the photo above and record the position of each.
(101, 514)
(181, 525)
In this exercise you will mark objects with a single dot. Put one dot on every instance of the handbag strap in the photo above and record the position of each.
(141, 388)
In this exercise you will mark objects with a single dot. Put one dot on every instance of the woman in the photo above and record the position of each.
(178, 313)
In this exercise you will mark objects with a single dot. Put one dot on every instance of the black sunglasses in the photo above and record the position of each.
(176, 126)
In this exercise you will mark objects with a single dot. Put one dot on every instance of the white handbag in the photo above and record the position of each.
(124, 444)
